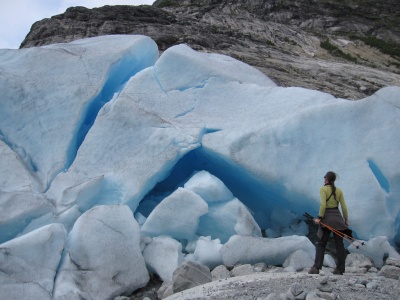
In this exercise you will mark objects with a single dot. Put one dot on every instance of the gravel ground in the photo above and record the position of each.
(278, 285)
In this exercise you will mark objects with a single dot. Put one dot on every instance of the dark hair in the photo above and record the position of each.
(331, 177)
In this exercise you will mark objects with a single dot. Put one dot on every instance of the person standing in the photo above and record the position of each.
(329, 214)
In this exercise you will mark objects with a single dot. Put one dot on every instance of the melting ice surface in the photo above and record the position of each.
(116, 162)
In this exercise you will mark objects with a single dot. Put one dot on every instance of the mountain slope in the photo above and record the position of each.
(347, 48)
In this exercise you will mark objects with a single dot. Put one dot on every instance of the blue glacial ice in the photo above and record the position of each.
(205, 151)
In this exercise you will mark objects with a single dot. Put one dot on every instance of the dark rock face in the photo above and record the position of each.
(347, 48)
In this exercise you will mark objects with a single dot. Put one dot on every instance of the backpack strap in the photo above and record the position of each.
(329, 197)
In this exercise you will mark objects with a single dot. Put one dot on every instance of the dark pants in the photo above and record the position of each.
(321, 246)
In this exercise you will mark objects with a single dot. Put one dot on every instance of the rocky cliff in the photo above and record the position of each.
(346, 48)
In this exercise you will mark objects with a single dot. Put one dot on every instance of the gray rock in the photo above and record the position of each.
(275, 296)
(313, 296)
(161, 292)
(390, 272)
(327, 287)
(241, 270)
(327, 296)
(356, 270)
(301, 296)
(372, 285)
(275, 270)
(352, 281)
(296, 289)
(359, 261)
(220, 272)
(260, 267)
(363, 281)
(393, 262)
(190, 274)
(168, 292)
(288, 296)
(324, 280)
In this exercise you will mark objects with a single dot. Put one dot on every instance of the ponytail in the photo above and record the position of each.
(331, 177)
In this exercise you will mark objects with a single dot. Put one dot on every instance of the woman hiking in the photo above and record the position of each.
(329, 214)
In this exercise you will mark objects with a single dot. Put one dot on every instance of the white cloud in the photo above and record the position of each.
(17, 16)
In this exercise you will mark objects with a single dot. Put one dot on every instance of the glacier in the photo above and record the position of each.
(117, 163)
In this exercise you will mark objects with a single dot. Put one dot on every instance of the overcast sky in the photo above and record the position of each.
(17, 16)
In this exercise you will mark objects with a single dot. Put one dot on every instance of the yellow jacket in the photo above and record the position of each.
(324, 193)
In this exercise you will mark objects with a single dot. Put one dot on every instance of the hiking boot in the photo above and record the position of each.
(313, 270)
(337, 272)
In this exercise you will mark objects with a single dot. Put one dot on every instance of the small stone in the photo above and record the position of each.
(288, 296)
(373, 270)
(363, 88)
(301, 296)
(352, 281)
(328, 288)
(359, 285)
(373, 285)
(383, 290)
(273, 296)
(327, 296)
(275, 270)
(356, 270)
(363, 281)
(312, 296)
(260, 267)
(324, 280)
(296, 289)
(333, 278)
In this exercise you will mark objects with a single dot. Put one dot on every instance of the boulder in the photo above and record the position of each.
(242, 270)
(358, 260)
(190, 274)
(260, 267)
(220, 272)
(390, 272)
(393, 262)
(165, 290)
